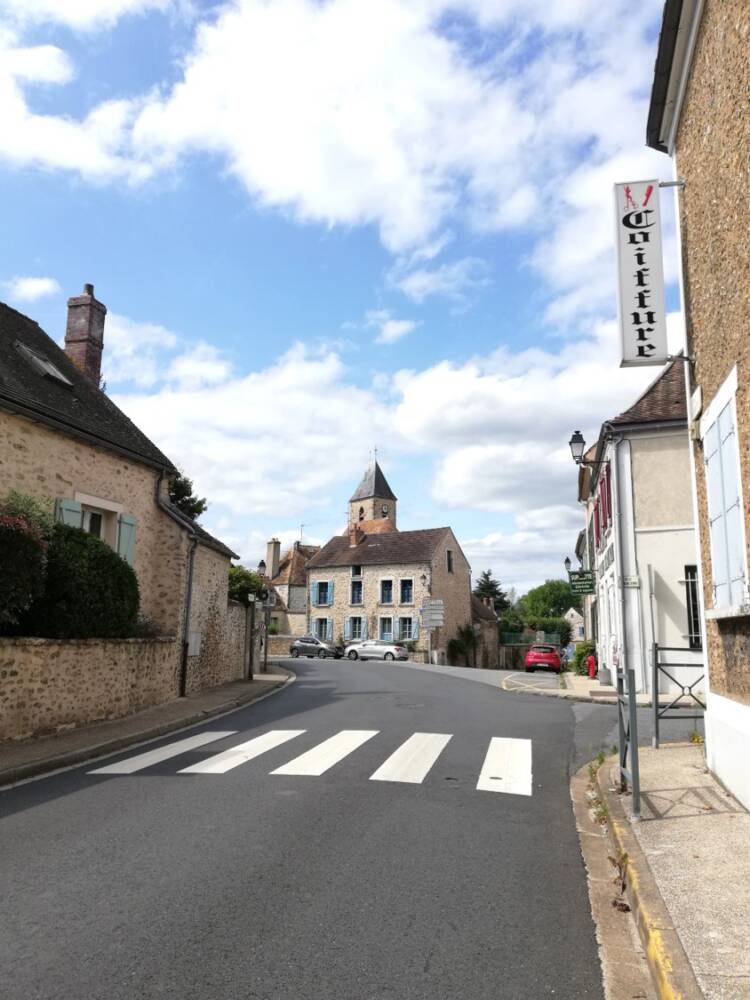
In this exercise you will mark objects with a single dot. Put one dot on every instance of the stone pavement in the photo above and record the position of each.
(689, 860)
(27, 758)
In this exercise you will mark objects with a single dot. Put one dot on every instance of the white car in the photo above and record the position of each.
(376, 649)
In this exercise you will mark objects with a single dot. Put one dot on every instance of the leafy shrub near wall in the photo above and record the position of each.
(89, 591)
(22, 557)
(579, 657)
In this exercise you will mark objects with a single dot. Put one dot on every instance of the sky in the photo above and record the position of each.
(322, 227)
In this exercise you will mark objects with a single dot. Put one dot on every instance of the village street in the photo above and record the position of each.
(202, 874)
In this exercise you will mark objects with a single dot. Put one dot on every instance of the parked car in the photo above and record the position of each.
(544, 657)
(310, 645)
(376, 649)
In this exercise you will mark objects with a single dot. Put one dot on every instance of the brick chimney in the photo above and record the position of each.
(273, 554)
(355, 535)
(84, 333)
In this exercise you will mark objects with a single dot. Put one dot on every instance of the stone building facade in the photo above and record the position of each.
(699, 116)
(287, 575)
(371, 582)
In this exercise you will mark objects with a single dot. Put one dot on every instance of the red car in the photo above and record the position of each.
(546, 657)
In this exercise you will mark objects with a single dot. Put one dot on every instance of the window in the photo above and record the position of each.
(407, 592)
(92, 522)
(356, 571)
(355, 628)
(361, 513)
(449, 555)
(386, 592)
(386, 629)
(725, 516)
(356, 592)
(404, 629)
(321, 628)
(322, 593)
(693, 607)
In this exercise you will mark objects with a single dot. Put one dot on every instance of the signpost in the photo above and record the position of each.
(432, 614)
(582, 582)
(640, 284)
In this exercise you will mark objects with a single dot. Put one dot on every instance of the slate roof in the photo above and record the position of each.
(80, 409)
(210, 540)
(663, 401)
(293, 565)
(374, 484)
(380, 550)
(480, 610)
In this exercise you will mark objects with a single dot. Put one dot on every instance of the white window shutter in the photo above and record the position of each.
(732, 505)
(313, 602)
(69, 512)
(329, 629)
(126, 537)
(716, 512)
(415, 628)
(364, 628)
(347, 628)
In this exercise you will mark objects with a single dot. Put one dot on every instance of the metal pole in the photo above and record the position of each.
(655, 696)
(622, 746)
(633, 733)
(250, 637)
(266, 619)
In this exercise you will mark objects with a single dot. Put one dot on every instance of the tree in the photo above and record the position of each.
(488, 586)
(550, 600)
(464, 645)
(242, 583)
(181, 494)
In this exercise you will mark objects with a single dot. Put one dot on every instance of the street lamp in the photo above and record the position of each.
(262, 567)
(567, 565)
(577, 447)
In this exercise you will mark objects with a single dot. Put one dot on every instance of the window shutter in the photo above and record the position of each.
(329, 629)
(347, 628)
(732, 506)
(126, 537)
(313, 602)
(330, 591)
(415, 628)
(608, 492)
(597, 532)
(364, 628)
(716, 512)
(69, 512)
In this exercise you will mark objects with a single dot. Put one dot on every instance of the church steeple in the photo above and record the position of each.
(373, 499)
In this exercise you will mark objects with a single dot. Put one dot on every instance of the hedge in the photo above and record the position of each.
(22, 555)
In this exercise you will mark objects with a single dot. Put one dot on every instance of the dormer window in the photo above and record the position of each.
(42, 365)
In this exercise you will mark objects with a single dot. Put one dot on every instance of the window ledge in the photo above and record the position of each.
(731, 611)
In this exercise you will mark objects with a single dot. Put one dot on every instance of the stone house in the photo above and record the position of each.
(63, 440)
(287, 575)
(577, 625)
(640, 534)
(699, 116)
(371, 581)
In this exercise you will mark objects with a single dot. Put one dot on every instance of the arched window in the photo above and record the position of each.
(361, 513)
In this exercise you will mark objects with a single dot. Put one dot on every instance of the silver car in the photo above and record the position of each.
(376, 649)
(310, 645)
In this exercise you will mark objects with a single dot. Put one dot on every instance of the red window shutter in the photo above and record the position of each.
(608, 492)
(597, 531)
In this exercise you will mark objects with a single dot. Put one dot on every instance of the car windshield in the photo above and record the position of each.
(543, 649)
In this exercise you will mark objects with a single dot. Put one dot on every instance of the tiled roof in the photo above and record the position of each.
(293, 565)
(373, 484)
(209, 540)
(80, 408)
(380, 550)
(664, 400)
(480, 610)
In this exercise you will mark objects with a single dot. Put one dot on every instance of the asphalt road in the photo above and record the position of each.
(247, 885)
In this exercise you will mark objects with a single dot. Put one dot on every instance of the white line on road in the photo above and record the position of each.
(413, 759)
(141, 760)
(243, 752)
(507, 767)
(329, 752)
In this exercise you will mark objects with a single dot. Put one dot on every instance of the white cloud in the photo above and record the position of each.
(199, 366)
(82, 15)
(135, 351)
(389, 329)
(28, 289)
(456, 281)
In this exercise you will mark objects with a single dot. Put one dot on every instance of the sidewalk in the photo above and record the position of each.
(31, 757)
(688, 873)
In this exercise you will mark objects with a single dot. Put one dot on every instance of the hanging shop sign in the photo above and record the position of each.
(640, 285)
(582, 582)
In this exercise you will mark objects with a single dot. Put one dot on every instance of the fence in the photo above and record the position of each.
(661, 668)
(525, 639)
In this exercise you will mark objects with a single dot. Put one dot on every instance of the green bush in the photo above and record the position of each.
(89, 591)
(22, 557)
(582, 651)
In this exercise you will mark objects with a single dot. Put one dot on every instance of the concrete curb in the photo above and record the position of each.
(106, 748)
(670, 967)
(556, 693)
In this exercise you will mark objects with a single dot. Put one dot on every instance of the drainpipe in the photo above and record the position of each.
(186, 526)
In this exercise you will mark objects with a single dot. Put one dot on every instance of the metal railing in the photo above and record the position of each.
(660, 668)
(627, 729)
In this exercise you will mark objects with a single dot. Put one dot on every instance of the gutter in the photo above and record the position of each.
(677, 40)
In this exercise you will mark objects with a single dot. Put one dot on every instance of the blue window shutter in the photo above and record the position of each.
(330, 591)
(347, 628)
(415, 628)
(313, 602)
(329, 629)
(364, 628)
(69, 512)
(126, 537)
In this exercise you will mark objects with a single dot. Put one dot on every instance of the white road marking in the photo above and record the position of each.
(413, 759)
(507, 767)
(243, 752)
(141, 760)
(329, 752)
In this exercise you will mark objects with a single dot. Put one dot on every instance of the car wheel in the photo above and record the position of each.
(389, 656)
(530, 670)
(295, 653)
(352, 654)
(322, 654)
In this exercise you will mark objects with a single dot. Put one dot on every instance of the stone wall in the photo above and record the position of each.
(218, 624)
(712, 154)
(50, 684)
(488, 651)
(38, 461)
(454, 589)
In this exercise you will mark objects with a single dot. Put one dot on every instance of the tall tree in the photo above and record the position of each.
(182, 496)
(243, 582)
(550, 600)
(488, 586)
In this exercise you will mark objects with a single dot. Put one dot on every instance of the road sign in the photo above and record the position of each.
(432, 620)
(433, 604)
(582, 582)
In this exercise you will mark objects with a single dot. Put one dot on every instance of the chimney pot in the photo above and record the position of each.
(84, 333)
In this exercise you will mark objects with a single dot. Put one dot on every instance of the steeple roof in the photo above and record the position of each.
(374, 484)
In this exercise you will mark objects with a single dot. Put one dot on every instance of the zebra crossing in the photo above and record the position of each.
(507, 766)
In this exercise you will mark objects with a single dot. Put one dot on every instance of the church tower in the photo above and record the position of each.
(373, 499)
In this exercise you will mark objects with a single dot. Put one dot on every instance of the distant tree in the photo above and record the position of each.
(182, 496)
(488, 586)
(243, 582)
(550, 600)
(464, 646)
